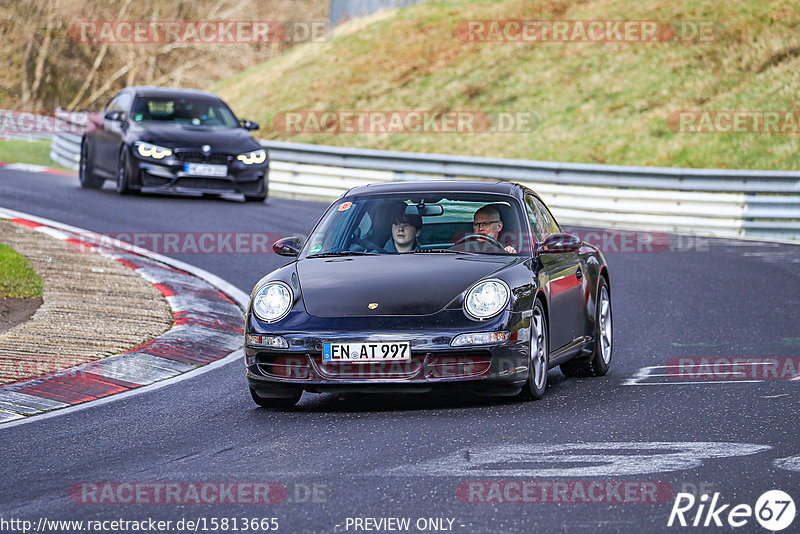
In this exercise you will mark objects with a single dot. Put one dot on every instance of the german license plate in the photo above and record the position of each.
(366, 352)
(205, 169)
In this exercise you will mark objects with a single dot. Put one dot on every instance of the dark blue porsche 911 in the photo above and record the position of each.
(416, 286)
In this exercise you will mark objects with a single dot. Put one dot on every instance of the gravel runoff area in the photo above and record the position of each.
(92, 307)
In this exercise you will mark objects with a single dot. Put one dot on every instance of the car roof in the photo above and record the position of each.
(468, 186)
(150, 90)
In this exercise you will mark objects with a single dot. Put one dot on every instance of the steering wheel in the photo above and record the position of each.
(480, 237)
(357, 243)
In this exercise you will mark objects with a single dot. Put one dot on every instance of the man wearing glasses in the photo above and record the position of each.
(486, 221)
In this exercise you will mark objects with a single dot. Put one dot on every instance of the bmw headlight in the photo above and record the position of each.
(272, 301)
(486, 299)
(253, 158)
(146, 150)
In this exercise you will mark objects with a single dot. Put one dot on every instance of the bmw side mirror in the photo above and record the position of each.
(288, 246)
(560, 243)
(249, 125)
(115, 116)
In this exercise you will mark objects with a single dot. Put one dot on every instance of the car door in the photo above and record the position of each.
(109, 137)
(563, 273)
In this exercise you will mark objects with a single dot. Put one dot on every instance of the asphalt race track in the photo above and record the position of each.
(593, 449)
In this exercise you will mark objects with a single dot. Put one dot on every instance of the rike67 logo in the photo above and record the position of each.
(774, 510)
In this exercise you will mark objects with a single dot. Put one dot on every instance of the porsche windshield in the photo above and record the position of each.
(192, 111)
(467, 223)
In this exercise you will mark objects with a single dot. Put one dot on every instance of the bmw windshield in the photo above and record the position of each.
(420, 223)
(184, 111)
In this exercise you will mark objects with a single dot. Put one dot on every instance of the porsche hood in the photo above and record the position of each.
(406, 284)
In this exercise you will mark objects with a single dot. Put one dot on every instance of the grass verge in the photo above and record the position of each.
(36, 152)
(17, 277)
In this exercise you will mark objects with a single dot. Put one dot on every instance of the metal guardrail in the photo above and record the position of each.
(713, 201)
(721, 202)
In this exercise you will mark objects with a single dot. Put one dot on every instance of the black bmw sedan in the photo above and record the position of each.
(410, 287)
(160, 140)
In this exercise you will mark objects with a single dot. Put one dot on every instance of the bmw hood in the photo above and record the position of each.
(405, 284)
(233, 140)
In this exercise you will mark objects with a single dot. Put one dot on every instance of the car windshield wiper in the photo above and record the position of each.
(443, 251)
(342, 253)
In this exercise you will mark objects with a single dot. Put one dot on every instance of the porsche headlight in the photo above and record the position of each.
(253, 158)
(272, 301)
(146, 150)
(486, 299)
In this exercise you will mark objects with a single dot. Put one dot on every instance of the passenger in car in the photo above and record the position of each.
(405, 230)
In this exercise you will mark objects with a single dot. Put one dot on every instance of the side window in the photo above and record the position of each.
(552, 226)
(538, 224)
(113, 105)
(124, 103)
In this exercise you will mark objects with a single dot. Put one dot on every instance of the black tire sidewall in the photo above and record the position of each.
(123, 180)
(530, 385)
(600, 366)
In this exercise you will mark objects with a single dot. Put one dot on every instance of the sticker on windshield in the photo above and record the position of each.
(344, 206)
(138, 117)
(315, 249)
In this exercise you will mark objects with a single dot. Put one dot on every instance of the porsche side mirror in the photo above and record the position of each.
(288, 246)
(560, 243)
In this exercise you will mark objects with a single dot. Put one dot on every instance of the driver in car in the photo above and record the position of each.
(486, 221)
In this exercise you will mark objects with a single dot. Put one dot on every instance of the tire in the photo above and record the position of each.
(259, 197)
(123, 173)
(86, 174)
(600, 360)
(276, 402)
(539, 352)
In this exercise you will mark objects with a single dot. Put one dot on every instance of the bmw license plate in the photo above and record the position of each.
(205, 169)
(366, 352)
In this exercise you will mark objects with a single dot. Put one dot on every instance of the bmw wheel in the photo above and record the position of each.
(123, 173)
(261, 196)
(86, 174)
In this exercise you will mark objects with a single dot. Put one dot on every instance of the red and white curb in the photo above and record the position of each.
(207, 329)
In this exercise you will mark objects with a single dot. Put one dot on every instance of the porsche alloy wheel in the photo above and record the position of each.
(276, 402)
(539, 355)
(600, 360)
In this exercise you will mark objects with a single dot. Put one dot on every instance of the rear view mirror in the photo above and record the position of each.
(426, 210)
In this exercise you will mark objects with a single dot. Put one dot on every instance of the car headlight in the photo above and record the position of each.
(146, 150)
(486, 299)
(272, 301)
(253, 158)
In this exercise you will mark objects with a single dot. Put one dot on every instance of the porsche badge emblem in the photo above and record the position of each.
(372, 305)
